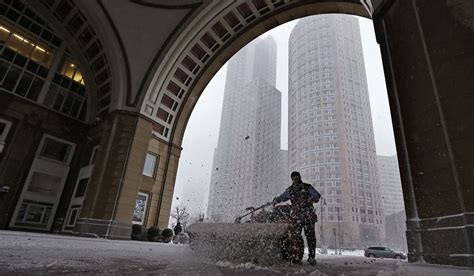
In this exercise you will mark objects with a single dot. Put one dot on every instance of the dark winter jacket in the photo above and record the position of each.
(302, 198)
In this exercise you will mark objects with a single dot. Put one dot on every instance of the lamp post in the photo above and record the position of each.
(323, 200)
(339, 229)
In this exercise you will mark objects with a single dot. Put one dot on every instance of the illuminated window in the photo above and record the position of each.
(4, 33)
(67, 93)
(27, 51)
(23, 64)
(25, 47)
(70, 70)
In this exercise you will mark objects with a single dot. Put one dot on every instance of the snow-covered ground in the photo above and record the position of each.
(333, 253)
(33, 254)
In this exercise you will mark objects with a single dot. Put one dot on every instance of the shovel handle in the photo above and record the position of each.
(238, 219)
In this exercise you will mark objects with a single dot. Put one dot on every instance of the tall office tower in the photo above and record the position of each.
(247, 158)
(284, 174)
(330, 131)
(390, 184)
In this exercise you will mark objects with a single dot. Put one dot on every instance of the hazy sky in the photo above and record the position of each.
(200, 139)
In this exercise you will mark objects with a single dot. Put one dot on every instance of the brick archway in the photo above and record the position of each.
(207, 43)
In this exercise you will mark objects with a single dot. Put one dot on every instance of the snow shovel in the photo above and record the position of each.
(252, 210)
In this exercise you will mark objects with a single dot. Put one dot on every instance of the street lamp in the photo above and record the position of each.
(323, 200)
(339, 229)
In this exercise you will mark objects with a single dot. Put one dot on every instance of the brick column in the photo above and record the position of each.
(163, 185)
(112, 190)
(428, 54)
(168, 182)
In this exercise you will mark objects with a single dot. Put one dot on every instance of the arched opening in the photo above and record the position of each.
(316, 74)
(402, 111)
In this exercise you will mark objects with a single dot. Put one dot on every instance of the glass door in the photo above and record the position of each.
(4, 129)
(44, 184)
(78, 194)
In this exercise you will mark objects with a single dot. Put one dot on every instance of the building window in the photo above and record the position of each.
(45, 184)
(26, 56)
(4, 129)
(24, 64)
(150, 164)
(56, 150)
(70, 70)
(67, 93)
(93, 155)
(25, 47)
(81, 187)
(140, 209)
(34, 213)
(72, 216)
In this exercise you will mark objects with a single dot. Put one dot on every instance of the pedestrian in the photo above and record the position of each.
(302, 197)
(177, 229)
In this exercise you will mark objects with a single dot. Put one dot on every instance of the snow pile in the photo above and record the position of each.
(238, 242)
(181, 238)
(254, 267)
(306, 272)
(399, 271)
(248, 266)
(344, 252)
(317, 273)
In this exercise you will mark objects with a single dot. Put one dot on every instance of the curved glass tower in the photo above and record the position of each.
(330, 134)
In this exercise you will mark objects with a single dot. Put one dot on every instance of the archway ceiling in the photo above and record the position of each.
(136, 33)
(163, 46)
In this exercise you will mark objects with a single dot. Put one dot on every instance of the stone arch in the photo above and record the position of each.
(208, 42)
(415, 68)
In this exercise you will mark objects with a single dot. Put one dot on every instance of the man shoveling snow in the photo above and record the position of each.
(303, 216)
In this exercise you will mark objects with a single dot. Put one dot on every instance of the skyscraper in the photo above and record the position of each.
(330, 131)
(390, 184)
(247, 159)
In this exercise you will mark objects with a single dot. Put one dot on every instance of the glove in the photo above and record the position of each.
(274, 202)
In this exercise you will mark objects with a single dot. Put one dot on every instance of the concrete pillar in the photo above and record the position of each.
(117, 178)
(168, 188)
(428, 54)
(113, 187)
(163, 187)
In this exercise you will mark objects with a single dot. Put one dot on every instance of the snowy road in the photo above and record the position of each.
(32, 253)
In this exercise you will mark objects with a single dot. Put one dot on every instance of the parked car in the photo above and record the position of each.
(383, 252)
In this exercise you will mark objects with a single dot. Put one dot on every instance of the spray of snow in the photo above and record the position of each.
(253, 267)
(246, 266)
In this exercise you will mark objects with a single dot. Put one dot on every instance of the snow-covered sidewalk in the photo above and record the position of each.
(34, 254)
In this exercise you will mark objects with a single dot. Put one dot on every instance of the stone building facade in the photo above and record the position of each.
(390, 184)
(395, 231)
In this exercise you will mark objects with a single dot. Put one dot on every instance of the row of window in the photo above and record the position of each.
(21, 16)
(24, 67)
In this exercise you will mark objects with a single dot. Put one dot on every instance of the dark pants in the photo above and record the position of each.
(308, 228)
(306, 222)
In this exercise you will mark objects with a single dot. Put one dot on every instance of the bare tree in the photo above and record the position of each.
(180, 213)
